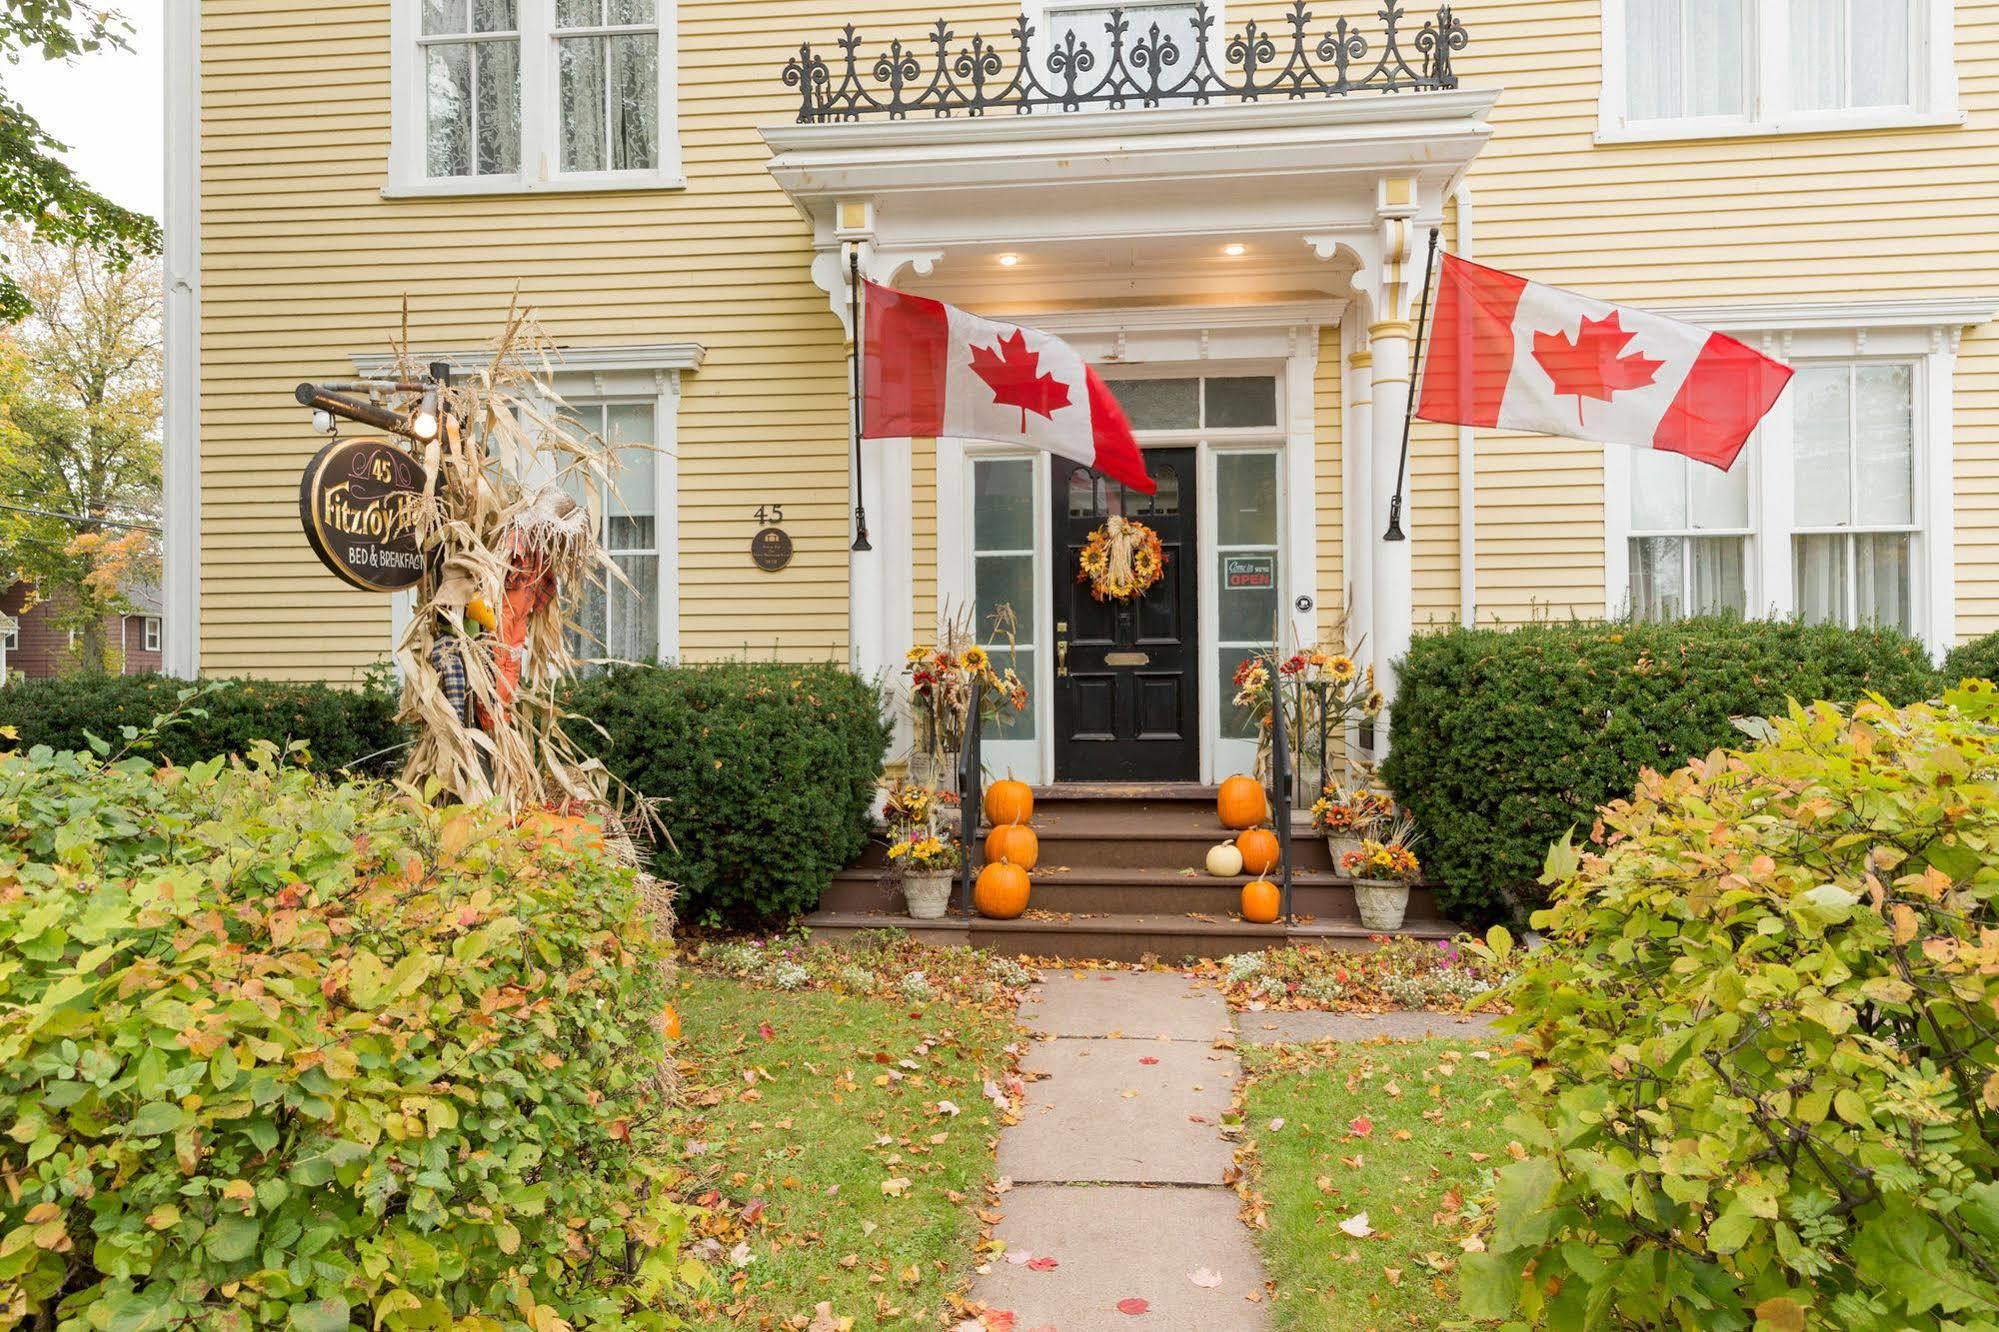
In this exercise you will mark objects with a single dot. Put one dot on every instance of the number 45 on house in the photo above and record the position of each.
(770, 514)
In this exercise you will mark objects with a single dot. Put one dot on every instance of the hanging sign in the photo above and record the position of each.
(770, 548)
(1241, 573)
(354, 503)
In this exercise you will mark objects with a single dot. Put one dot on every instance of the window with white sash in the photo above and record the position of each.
(1692, 68)
(506, 95)
(621, 615)
(1840, 508)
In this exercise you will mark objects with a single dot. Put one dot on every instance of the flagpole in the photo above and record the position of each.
(854, 323)
(1394, 532)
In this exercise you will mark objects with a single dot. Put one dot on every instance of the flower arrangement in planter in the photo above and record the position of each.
(923, 856)
(1383, 867)
(1347, 816)
(1325, 690)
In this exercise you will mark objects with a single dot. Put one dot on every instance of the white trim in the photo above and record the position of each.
(540, 142)
(1467, 448)
(180, 459)
(1933, 99)
(645, 356)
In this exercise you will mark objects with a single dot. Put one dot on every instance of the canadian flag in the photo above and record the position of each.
(1523, 356)
(932, 369)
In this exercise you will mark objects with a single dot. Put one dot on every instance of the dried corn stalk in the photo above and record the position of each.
(503, 526)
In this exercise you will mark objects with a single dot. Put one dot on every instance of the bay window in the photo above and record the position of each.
(1694, 68)
(491, 96)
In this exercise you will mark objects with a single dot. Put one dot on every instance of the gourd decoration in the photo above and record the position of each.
(1009, 801)
(1241, 802)
(1260, 902)
(1259, 850)
(1013, 844)
(1001, 891)
(1224, 861)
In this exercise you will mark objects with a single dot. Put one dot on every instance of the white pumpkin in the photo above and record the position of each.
(1224, 861)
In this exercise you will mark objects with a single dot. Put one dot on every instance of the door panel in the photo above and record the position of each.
(1128, 706)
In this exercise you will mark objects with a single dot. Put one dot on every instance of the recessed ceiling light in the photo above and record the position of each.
(1235, 248)
(1008, 260)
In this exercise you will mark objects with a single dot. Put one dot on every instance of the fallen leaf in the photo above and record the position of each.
(1277, 1123)
(1357, 1226)
(1360, 1127)
(1147, 1059)
(947, 1108)
(823, 1319)
(1133, 1306)
(1042, 1264)
(1019, 1257)
(1205, 1277)
(895, 1188)
(765, 1030)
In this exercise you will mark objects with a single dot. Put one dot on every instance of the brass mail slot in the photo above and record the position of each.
(1127, 658)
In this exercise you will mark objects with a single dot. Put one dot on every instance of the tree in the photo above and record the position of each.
(36, 187)
(80, 384)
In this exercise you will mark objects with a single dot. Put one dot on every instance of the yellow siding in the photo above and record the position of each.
(303, 261)
(923, 538)
(1846, 216)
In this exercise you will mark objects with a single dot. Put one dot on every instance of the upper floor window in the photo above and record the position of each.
(502, 95)
(1691, 68)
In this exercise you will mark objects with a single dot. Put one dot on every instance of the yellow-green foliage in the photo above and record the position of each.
(1766, 1038)
(276, 1051)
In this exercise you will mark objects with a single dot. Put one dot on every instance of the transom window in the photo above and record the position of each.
(494, 95)
(1693, 67)
(1221, 402)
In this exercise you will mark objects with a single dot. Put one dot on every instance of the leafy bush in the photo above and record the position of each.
(1975, 660)
(1766, 1038)
(765, 773)
(275, 1051)
(342, 728)
(1504, 739)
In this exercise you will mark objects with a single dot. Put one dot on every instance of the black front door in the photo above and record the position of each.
(1127, 696)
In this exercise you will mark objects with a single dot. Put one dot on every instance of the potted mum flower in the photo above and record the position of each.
(1348, 816)
(1382, 868)
(927, 863)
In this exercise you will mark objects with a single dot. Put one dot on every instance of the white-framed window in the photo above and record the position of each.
(152, 630)
(1700, 68)
(625, 618)
(1840, 508)
(10, 637)
(496, 96)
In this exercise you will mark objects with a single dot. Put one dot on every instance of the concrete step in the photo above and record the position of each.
(1115, 937)
(1076, 890)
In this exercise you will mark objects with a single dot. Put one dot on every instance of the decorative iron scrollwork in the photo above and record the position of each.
(1150, 68)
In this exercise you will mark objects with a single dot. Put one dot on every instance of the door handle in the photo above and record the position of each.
(1061, 654)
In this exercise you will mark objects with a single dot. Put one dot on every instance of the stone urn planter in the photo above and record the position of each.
(1382, 902)
(928, 895)
(1339, 844)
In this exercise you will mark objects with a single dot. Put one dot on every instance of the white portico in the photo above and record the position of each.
(1195, 254)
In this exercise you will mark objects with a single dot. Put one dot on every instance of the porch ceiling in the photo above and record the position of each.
(1133, 205)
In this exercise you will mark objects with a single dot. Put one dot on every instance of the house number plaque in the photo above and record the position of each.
(770, 549)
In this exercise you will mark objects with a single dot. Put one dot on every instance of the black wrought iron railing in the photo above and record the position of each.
(971, 795)
(1281, 779)
(935, 76)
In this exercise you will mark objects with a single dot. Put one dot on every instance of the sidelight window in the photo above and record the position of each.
(1003, 569)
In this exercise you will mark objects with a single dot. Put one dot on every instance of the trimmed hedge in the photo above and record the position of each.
(1975, 660)
(765, 773)
(343, 728)
(280, 1052)
(1503, 740)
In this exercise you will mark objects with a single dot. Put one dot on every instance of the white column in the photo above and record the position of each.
(180, 461)
(1357, 512)
(1389, 346)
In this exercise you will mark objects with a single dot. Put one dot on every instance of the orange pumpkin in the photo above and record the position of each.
(1259, 850)
(1241, 802)
(1013, 843)
(669, 1022)
(1259, 901)
(1001, 891)
(1009, 801)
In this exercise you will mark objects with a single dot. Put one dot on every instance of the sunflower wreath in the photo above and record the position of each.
(1121, 561)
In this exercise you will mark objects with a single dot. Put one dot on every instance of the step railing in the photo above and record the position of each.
(1280, 795)
(971, 795)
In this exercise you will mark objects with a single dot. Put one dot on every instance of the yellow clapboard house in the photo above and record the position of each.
(1225, 208)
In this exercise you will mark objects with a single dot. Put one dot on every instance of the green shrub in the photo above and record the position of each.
(342, 728)
(1765, 1038)
(1504, 739)
(279, 1052)
(764, 771)
(1975, 660)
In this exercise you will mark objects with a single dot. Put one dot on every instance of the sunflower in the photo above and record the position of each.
(975, 659)
(1341, 668)
(916, 654)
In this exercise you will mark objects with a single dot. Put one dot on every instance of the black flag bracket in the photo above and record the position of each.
(1394, 532)
(854, 323)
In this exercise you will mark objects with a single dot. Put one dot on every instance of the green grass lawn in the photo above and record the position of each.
(819, 1129)
(1434, 1130)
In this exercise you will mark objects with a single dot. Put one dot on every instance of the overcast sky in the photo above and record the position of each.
(108, 108)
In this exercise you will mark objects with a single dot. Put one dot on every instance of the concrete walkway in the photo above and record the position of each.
(1117, 1165)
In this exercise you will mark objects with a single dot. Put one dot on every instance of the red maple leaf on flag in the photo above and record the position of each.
(1014, 375)
(1592, 363)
